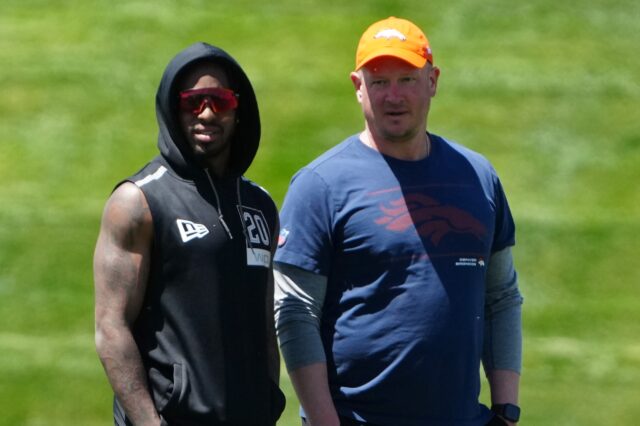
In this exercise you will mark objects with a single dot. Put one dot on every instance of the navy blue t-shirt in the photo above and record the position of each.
(405, 246)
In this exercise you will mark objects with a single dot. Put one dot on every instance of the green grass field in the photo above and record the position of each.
(548, 90)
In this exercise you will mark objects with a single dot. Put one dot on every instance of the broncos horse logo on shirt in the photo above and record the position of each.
(431, 218)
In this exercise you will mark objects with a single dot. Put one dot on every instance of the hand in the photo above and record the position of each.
(497, 420)
(506, 422)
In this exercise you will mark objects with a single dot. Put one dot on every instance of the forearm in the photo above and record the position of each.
(124, 368)
(312, 387)
(504, 386)
(502, 352)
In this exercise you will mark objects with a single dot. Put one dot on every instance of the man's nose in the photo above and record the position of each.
(207, 112)
(394, 93)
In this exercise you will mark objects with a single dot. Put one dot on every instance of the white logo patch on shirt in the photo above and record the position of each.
(190, 230)
(470, 261)
(258, 236)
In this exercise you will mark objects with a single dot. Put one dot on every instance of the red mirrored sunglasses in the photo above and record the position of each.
(218, 99)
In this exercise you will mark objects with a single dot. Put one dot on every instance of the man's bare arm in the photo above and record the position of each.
(312, 387)
(121, 269)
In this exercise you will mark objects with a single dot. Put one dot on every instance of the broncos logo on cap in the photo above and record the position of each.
(431, 219)
(389, 34)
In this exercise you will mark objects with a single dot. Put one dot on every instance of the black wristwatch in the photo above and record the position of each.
(509, 412)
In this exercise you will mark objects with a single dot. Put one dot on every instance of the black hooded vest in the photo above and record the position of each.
(202, 328)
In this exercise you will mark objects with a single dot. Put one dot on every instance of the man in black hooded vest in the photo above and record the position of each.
(182, 267)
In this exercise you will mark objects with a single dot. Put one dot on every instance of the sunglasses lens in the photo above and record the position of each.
(192, 103)
(218, 99)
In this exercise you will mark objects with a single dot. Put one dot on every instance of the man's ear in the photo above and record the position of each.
(356, 79)
(434, 74)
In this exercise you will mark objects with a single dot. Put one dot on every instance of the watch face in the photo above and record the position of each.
(511, 412)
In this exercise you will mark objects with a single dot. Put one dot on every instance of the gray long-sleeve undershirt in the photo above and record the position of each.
(299, 296)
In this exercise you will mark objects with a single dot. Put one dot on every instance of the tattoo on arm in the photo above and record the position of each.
(121, 268)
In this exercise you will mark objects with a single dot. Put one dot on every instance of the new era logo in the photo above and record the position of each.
(190, 230)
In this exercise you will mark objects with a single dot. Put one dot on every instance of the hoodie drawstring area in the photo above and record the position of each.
(219, 208)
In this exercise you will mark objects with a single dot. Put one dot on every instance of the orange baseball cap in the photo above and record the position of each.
(394, 37)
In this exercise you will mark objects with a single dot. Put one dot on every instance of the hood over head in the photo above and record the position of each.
(171, 140)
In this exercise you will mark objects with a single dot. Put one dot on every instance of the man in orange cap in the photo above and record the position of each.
(394, 271)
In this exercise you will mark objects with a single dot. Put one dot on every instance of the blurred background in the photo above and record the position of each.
(548, 90)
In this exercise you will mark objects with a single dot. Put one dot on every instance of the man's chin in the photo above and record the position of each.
(204, 152)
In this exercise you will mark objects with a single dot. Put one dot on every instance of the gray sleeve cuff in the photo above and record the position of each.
(299, 296)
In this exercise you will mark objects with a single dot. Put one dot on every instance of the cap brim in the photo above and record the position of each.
(408, 57)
